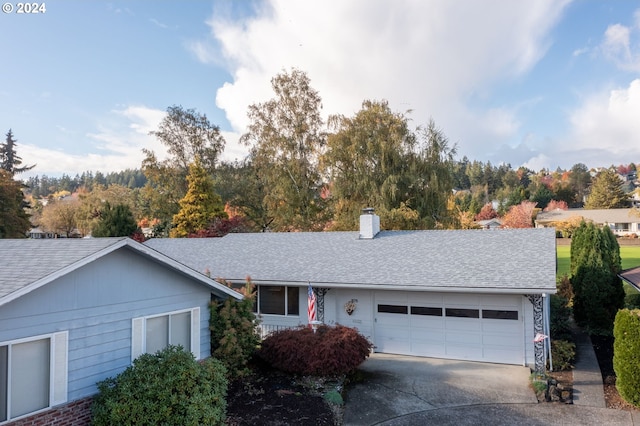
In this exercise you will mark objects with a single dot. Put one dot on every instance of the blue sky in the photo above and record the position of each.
(544, 84)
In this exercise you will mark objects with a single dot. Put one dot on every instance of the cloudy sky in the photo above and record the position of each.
(545, 83)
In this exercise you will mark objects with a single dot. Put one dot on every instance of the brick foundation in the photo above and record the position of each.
(76, 413)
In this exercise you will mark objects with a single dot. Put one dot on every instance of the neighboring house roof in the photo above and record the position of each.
(495, 222)
(598, 216)
(510, 260)
(632, 276)
(29, 264)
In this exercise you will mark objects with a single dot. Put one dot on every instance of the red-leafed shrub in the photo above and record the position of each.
(328, 351)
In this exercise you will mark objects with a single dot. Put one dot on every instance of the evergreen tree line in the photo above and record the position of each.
(43, 186)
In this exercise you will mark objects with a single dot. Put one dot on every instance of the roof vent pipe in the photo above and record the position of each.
(369, 224)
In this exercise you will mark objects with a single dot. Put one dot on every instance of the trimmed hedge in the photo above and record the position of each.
(328, 351)
(626, 354)
(168, 388)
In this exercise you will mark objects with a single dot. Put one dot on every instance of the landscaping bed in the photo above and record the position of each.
(271, 397)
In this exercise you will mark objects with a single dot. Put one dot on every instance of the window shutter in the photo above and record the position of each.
(59, 364)
(195, 332)
(137, 338)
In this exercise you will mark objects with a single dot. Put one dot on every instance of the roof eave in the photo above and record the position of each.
(403, 287)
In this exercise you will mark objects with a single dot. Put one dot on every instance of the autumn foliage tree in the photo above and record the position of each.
(188, 136)
(286, 136)
(487, 212)
(200, 206)
(556, 205)
(519, 216)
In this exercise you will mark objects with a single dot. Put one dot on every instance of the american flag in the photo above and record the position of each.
(311, 308)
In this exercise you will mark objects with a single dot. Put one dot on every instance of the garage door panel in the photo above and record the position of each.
(505, 329)
(419, 321)
(432, 337)
(466, 338)
(458, 326)
(463, 324)
(396, 320)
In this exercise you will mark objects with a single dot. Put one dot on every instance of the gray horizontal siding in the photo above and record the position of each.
(96, 304)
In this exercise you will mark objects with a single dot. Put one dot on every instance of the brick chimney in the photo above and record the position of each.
(369, 224)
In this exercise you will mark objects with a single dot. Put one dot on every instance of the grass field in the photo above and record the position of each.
(630, 257)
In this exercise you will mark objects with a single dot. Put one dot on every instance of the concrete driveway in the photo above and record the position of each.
(403, 390)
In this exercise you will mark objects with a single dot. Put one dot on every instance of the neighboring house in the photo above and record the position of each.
(76, 311)
(620, 221)
(468, 295)
(494, 223)
(38, 234)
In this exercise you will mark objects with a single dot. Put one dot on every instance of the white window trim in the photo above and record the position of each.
(286, 301)
(139, 332)
(58, 370)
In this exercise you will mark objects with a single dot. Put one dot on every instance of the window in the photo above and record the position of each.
(33, 375)
(620, 227)
(498, 314)
(154, 333)
(393, 309)
(463, 313)
(278, 300)
(424, 310)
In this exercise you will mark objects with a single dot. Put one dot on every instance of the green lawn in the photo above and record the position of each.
(630, 258)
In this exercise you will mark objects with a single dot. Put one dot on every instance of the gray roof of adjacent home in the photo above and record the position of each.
(28, 264)
(502, 260)
(632, 276)
(597, 216)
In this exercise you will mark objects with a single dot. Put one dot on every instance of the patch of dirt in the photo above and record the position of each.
(603, 347)
(273, 398)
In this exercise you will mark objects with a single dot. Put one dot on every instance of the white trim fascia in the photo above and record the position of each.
(404, 287)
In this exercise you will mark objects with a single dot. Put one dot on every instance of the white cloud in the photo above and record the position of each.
(618, 44)
(430, 57)
(606, 127)
(120, 144)
(158, 23)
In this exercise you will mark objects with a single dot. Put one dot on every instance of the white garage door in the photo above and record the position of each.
(456, 326)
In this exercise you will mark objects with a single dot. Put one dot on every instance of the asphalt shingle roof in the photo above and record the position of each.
(493, 260)
(28, 263)
(597, 215)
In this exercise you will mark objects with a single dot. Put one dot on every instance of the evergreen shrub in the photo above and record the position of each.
(329, 351)
(626, 355)
(234, 336)
(560, 317)
(167, 388)
(563, 354)
(632, 301)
